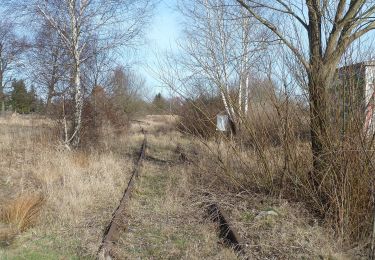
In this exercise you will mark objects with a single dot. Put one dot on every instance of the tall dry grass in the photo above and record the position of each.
(22, 212)
(79, 188)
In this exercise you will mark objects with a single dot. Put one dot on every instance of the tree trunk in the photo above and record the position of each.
(246, 95)
(226, 105)
(318, 83)
(49, 99)
(240, 96)
(322, 135)
(320, 140)
(53, 81)
(78, 98)
(2, 95)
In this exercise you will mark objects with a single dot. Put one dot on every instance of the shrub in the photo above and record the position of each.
(100, 111)
(198, 117)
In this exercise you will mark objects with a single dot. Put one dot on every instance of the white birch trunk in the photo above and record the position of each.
(78, 107)
(246, 102)
(240, 96)
(230, 105)
(226, 106)
(78, 98)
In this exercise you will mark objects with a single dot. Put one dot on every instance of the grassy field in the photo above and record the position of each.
(55, 204)
(78, 190)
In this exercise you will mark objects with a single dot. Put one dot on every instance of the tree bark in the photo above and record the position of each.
(53, 81)
(246, 104)
(226, 105)
(240, 96)
(320, 142)
(78, 99)
(2, 94)
(318, 81)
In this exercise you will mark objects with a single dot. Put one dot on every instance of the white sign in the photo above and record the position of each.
(222, 123)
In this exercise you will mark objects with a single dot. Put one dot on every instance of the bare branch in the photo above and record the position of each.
(274, 29)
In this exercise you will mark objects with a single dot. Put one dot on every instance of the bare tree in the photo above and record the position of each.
(98, 67)
(48, 63)
(330, 27)
(78, 24)
(126, 87)
(11, 49)
(223, 44)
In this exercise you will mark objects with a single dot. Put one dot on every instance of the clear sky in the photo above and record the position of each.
(161, 35)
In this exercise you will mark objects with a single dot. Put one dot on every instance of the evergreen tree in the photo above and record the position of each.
(33, 100)
(160, 103)
(20, 99)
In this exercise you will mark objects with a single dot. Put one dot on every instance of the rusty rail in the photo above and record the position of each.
(227, 233)
(118, 221)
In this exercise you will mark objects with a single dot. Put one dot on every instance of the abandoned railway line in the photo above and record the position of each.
(119, 222)
(154, 195)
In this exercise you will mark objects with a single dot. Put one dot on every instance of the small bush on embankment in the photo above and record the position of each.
(198, 117)
(101, 112)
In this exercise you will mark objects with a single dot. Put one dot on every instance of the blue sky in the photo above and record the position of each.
(161, 35)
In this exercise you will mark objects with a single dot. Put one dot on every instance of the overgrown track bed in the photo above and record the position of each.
(118, 221)
(226, 232)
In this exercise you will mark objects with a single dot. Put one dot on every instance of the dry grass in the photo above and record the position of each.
(161, 123)
(18, 215)
(275, 229)
(80, 189)
(22, 213)
(163, 221)
(167, 217)
(236, 178)
(26, 120)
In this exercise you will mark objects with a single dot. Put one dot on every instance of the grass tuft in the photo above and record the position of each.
(22, 212)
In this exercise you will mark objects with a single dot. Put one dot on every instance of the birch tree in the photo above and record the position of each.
(79, 23)
(48, 63)
(330, 27)
(223, 46)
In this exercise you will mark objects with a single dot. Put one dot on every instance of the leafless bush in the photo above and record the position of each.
(198, 117)
(100, 111)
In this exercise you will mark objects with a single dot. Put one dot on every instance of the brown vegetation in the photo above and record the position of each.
(271, 156)
(167, 215)
(78, 188)
(22, 212)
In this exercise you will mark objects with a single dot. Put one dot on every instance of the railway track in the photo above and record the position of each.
(119, 221)
(226, 231)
